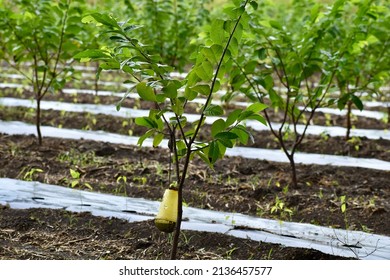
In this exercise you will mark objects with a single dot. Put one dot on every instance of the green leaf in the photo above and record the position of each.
(233, 117)
(146, 92)
(256, 107)
(170, 90)
(104, 19)
(205, 71)
(111, 65)
(276, 99)
(74, 173)
(213, 53)
(92, 54)
(268, 82)
(244, 115)
(190, 94)
(242, 134)
(258, 118)
(261, 53)
(233, 46)
(275, 24)
(155, 116)
(222, 149)
(250, 67)
(227, 143)
(157, 139)
(132, 27)
(213, 110)
(204, 157)
(343, 203)
(182, 120)
(181, 148)
(342, 101)
(178, 106)
(217, 126)
(146, 121)
(145, 136)
(214, 152)
(358, 103)
(226, 135)
(254, 5)
(201, 88)
(119, 104)
(217, 32)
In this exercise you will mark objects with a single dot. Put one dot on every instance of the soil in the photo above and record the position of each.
(59, 235)
(247, 186)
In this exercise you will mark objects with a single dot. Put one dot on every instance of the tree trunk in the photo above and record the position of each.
(38, 121)
(293, 171)
(176, 236)
(181, 180)
(349, 122)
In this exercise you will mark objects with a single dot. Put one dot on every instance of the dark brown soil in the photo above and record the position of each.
(60, 235)
(241, 185)
(236, 184)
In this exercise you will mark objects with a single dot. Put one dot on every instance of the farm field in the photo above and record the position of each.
(309, 153)
(236, 184)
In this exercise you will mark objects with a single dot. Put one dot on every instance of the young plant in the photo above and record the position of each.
(76, 180)
(30, 175)
(122, 182)
(366, 61)
(343, 208)
(39, 39)
(169, 26)
(280, 207)
(294, 56)
(171, 96)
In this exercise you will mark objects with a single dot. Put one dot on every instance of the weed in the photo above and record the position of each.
(324, 136)
(355, 142)
(14, 149)
(75, 180)
(260, 211)
(159, 169)
(366, 228)
(186, 239)
(71, 218)
(343, 208)
(285, 189)
(140, 179)
(320, 194)
(122, 181)
(230, 252)
(328, 120)
(280, 207)
(77, 158)
(269, 256)
(31, 173)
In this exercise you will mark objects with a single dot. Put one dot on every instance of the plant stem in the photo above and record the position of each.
(38, 121)
(349, 122)
(181, 179)
(180, 204)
